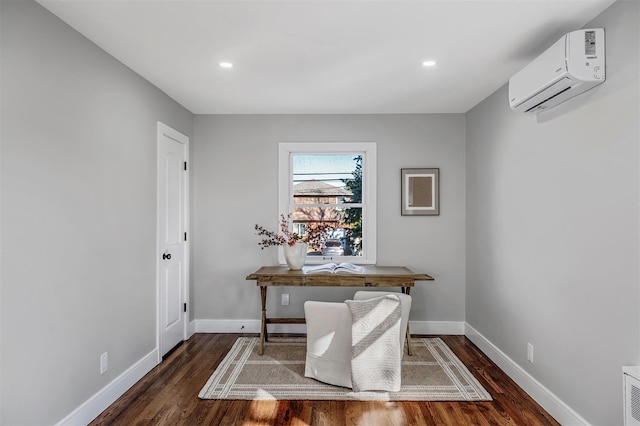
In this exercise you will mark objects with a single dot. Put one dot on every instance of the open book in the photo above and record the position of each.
(334, 268)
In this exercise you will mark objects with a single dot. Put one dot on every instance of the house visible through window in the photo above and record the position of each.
(332, 184)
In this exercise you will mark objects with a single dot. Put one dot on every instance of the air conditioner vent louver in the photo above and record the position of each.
(540, 105)
(631, 383)
(635, 402)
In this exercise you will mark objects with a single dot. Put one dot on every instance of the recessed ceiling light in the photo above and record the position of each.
(429, 63)
(225, 65)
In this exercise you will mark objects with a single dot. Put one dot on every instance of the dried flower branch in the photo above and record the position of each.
(314, 236)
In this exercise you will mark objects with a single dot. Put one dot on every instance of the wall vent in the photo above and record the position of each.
(631, 378)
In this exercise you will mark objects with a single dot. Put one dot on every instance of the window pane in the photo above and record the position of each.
(325, 189)
(327, 178)
(344, 238)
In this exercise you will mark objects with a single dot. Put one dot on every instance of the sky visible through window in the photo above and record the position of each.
(327, 168)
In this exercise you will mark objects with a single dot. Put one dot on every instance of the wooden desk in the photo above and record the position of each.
(373, 276)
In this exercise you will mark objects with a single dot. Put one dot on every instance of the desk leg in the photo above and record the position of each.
(263, 324)
(407, 290)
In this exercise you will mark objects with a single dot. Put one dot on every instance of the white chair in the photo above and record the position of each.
(329, 338)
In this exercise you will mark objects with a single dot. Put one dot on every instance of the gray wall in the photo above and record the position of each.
(78, 214)
(552, 230)
(235, 164)
(551, 214)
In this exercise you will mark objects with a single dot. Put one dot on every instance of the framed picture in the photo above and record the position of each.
(420, 192)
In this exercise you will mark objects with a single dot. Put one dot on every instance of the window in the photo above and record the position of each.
(333, 184)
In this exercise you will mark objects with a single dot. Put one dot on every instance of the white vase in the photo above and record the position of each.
(295, 255)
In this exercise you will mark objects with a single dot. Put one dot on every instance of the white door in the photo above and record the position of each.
(172, 246)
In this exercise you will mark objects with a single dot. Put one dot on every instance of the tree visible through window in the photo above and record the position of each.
(353, 216)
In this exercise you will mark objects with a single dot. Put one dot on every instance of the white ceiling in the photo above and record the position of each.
(326, 56)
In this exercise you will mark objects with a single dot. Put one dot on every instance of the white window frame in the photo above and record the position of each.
(368, 150)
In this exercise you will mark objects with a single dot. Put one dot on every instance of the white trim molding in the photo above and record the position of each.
(253, 326)
(250, 326)
(95, 405)
(368, 150)
(191, 329)
(548, 400)
(437, 327)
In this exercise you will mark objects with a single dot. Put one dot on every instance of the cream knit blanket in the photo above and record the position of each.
(375, 352)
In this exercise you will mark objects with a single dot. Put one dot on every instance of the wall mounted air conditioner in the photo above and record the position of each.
(631, 384)
(572, 65)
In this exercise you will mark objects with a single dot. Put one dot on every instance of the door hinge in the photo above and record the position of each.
(185, 307)
(185, 165)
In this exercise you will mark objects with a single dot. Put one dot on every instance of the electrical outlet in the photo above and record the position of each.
(104, 363)
(530, 353)
(285, 299)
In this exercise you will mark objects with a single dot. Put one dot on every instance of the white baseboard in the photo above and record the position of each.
(437, 327)
(95, 405)
(244, 326)
(543, 396)
(253, 326)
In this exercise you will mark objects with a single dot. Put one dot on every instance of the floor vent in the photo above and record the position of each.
(631, 378)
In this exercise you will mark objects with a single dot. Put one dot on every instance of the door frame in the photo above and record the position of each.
(164, 130)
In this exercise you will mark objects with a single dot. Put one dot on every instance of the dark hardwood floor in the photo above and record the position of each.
(168, 395)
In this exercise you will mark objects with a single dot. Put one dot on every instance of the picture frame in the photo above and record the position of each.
(420, 192)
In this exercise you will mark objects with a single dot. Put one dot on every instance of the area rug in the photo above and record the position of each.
(432, 373)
